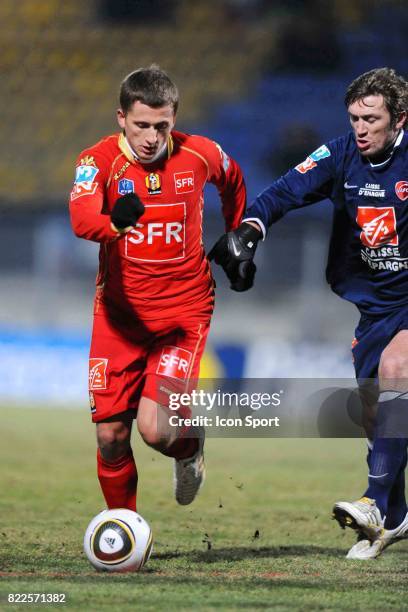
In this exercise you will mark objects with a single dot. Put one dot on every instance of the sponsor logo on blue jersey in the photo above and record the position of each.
(85, 174)
(320, 153)
(126, 186)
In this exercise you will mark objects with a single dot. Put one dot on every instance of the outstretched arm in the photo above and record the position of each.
(309, 182)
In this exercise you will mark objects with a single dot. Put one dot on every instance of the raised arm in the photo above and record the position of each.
(307, 183)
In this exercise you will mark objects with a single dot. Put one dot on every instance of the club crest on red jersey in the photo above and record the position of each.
(153, 183)
(401, 189)
(174, 362)
(97, 373)
(379, 226)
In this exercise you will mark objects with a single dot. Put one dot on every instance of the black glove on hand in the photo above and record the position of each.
(126, 211)
(234, 252)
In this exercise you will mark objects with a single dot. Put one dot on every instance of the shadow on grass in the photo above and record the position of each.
(26, 566)
(195, 563)
(239, 553)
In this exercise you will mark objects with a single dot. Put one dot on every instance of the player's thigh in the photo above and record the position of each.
(376, 344)
(393, 368)
(173, 362)
(173, 367)
(116, 367)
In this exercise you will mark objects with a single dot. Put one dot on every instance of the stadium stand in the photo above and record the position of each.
(61, 65)
(62, 61)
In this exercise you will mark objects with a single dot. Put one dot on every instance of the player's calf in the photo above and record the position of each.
(116, 468)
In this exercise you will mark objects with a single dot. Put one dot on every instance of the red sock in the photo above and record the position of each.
(118, 480)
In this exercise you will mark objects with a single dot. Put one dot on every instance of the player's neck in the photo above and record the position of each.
(160, 153)
(386, 154)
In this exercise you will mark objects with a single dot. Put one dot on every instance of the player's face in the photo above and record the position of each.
(147, 128)
(371, 122)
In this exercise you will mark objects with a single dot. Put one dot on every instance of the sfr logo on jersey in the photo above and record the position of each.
(378, 224)
(159, 235)
(184, 181)
(174, 362)
(97, 373)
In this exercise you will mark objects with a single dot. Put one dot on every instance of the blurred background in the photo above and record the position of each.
(264, 79)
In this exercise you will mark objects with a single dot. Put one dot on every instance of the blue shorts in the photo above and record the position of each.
(372, 337)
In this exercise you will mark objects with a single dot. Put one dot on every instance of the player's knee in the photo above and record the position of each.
(113, 439)
(150, 435)
(393, 369)
(152, 424)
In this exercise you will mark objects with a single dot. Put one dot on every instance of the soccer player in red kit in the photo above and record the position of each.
(139, 193)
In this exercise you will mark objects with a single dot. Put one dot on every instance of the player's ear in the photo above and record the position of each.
(402, 120)
(120, 115)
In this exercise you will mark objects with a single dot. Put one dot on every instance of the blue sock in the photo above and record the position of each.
(388, 457)
(397, 505)
(386, 460)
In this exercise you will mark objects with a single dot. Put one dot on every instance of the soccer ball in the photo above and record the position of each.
(118, 540)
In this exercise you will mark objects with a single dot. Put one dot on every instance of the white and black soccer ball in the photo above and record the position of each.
(118, 540)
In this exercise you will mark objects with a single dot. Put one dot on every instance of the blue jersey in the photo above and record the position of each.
(368, 256)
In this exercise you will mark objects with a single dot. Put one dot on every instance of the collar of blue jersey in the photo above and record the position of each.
(131, 155)
(397, 142)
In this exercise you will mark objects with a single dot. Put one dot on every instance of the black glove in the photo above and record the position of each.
(234, 252)
(126, 211)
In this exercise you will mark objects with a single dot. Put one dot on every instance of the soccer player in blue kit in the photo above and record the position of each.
(365, 175)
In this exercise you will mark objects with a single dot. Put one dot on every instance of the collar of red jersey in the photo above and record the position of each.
(129, 154)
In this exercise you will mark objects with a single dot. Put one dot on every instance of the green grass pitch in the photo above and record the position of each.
(259, 536)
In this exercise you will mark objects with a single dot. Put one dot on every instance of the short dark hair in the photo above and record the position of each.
(151, 86)
(384, 81)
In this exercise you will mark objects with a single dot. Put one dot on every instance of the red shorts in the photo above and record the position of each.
(131, 358)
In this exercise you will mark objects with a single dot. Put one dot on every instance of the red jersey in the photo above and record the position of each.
(159, 268)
